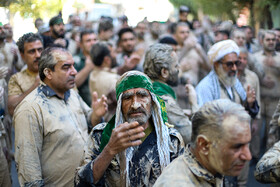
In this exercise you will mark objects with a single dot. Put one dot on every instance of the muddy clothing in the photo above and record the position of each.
(270, 96)
(187, 171)
(50, 135)
(273, 135)
(250, 78)
(102, 81)
(21, 82)
(144, 167)
(9, 59)
(268, 168)
(176, 115)
(80, 62)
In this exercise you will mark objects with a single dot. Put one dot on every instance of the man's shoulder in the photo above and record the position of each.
(205, 83)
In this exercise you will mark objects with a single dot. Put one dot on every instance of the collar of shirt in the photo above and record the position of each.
(50, 92)
(198, 169)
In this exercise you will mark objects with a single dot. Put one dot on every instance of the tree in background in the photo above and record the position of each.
(262, 13)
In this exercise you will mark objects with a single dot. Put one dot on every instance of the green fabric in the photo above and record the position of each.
(163, 89)
(147, 132)
(1, 24)
(106, 134)
(134, 81)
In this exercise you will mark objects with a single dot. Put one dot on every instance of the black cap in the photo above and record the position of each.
(168, 40)
(56, 20)
(184, 8)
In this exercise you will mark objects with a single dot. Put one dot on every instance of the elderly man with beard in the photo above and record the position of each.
(222, 82)
(22, 83)
(161, 65)
(219, 146)
(52, 124)
(136, 144)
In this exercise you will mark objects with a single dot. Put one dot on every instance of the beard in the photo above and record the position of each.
(140, 119)
(58, 35)
(173, 79)
(226, 79)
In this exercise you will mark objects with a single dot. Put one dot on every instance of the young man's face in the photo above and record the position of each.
(87, 41)
(136, 105)
(128, 42)
(181, 34)
(269, 42)
(229, 154)
(31, 55)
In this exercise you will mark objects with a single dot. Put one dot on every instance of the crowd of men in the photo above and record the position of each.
(176, 103)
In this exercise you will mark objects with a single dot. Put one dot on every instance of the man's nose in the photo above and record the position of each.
(246, 154)
(135, 104)
(73, 71)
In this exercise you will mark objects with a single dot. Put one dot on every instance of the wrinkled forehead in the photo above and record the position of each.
(61, 56)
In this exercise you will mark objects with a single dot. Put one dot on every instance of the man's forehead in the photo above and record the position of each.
(233, 126)
(37, 43)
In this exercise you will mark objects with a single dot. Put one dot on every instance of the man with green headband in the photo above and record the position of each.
(161, 65)
(136, 144)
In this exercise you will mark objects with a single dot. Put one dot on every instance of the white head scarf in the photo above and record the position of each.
(221, 49)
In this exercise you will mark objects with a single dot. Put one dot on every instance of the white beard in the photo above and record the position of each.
(224, 78)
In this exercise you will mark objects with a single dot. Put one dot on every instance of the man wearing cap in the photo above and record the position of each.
(222, 81)
(161, 65)
(219, 146)
(136, 144)
(183, 15)
(57, 33)
(22, 83)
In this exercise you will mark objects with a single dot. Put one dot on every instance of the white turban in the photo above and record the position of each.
(221, 49)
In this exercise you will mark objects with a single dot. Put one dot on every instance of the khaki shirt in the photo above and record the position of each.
(187, 171)
(178, 118)
(21, 82)
(270, 72)
(102, 81)
(268, 168)
(50, 134)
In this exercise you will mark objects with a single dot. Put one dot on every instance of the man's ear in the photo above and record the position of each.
(164, 73)
(203, 144)
(216, 64)
(48, 73)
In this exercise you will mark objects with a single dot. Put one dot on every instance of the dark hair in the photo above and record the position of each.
(125, 30)
(85, 32)
(224, 32)
(168, 40)
(47, 60)
(105, 25)
(173, 26)
(55, 20)
(98, 52)
(27, 38)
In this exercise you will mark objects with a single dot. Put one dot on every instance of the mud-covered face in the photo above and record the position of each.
(136, 105)
(229, 154)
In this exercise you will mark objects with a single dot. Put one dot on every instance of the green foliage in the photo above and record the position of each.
(35, 8)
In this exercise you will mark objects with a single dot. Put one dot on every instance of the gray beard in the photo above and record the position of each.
(224, 78)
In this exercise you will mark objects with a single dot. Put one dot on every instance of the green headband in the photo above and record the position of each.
(1, 24)
(134, 81)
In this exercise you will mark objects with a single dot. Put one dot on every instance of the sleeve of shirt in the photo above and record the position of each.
(28, 145)
(84, 174)
(13, 86)
(177, 146)
(273, 134)
(177, 117)
(268, 168)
